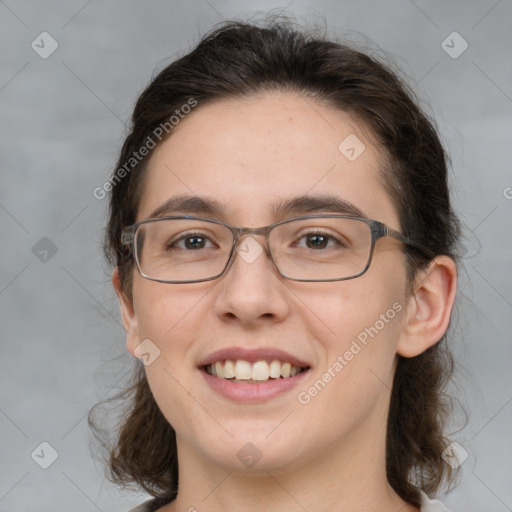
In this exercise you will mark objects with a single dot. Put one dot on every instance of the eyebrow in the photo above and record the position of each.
(196, 205)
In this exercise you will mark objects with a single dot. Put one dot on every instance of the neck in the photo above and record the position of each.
(349, 477)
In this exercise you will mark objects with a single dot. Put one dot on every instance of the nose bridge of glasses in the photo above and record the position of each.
(241, 233)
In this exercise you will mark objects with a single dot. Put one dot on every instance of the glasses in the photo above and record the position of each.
(311, 248)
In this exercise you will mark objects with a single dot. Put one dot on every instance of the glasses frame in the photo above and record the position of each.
(378, 230)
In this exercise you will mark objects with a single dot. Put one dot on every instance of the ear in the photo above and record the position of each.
(429, 307)
(128, 315)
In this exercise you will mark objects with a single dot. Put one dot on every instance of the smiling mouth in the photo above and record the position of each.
(245, 372)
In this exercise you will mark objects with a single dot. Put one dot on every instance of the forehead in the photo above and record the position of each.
(253, 153)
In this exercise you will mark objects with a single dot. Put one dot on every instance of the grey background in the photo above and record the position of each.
(62, 125)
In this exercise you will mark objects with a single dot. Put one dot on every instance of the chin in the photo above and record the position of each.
(253, 449)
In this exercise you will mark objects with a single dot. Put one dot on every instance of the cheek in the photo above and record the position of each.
(356, 373)
(358, 309)
(362, 320)
(168, 316)
(164, 312)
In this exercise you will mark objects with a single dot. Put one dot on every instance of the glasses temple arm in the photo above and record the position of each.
(408, 241)
(127, 236)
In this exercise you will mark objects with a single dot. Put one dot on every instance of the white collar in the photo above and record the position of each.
(428, 505)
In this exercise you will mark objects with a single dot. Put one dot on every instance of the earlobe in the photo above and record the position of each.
(429, 308)
(128, 316)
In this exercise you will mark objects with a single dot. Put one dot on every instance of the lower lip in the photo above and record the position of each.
(250, 393)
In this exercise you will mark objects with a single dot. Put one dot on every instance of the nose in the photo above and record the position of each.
(252, 291)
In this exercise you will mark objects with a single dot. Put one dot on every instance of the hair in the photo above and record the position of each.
(238, 60)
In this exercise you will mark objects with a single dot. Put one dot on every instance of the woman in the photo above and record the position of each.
(297, 363)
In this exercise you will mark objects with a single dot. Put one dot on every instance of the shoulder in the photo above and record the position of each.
(428, 505)
(147, 506)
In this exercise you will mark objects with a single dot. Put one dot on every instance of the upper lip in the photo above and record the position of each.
(252, 355)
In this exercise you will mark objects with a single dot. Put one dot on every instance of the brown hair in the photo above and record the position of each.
(241, 59)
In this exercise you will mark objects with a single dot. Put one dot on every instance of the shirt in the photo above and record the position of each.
(427, 505)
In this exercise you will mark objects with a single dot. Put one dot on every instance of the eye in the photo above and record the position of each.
(318, 241)
(191, 241)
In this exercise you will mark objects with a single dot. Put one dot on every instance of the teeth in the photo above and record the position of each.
(219, 369)
(243, 370)
(259, 371)
(275, 369)
(229, 369)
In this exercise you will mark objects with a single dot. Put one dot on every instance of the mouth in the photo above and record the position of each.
(245, 372)
(250, 376)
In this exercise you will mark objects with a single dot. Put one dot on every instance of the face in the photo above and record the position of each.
(249, 155)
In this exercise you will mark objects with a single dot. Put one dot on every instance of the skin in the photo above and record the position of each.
(330, 453)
